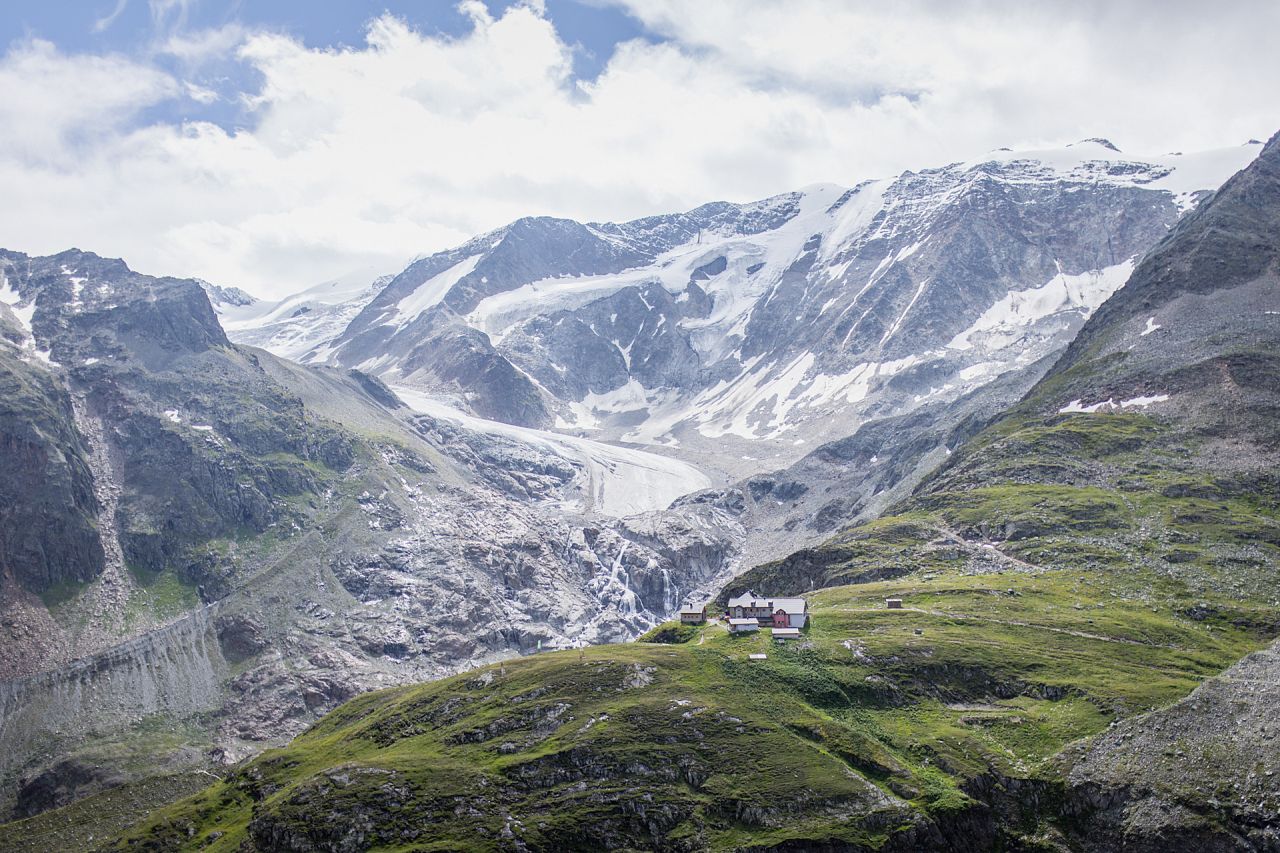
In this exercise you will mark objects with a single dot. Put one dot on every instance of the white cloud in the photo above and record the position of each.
(169, 15)
(1152, 74)
(199, 94)
(107, 20)
(54, 105)
(204, 45)
(359, 157)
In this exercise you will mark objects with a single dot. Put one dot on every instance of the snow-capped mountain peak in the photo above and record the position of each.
(734, 324)
(298, 326)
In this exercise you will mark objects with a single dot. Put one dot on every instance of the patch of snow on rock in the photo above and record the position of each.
(430, 292)
(1110, 405)
(1001, 324)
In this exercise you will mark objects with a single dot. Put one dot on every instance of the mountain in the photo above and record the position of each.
(226, 298)
(294, 326)
(1146, 461)
(207, 547)
(765, 329)
(1079, 578)
(814, 354)
(202, 539)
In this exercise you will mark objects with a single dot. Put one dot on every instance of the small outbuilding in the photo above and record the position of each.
(893, 603)
(757, 656)
(744, 626)
(781, 634)
(693, 615)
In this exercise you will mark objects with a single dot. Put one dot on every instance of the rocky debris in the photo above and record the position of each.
(638, 676)
(240, 637)
(1205, 771)
(276, 699)
(105, 602)
(541, 721)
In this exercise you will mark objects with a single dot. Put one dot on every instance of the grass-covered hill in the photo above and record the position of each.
(879, 730)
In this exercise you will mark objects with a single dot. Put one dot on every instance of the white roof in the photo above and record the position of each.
(758, 656)
(746, 621)
(786, 632)
(750, 599)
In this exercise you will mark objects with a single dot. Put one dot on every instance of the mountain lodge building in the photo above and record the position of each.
(769, 612)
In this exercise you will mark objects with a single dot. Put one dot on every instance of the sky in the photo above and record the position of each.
(275, 144)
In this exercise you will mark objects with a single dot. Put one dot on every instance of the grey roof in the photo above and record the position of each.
(693, 608)
(744, 621)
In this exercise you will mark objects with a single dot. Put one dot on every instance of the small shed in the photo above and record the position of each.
(781, 634)
(893, 603)
(693, 615)
(757, 656)
(744, 625)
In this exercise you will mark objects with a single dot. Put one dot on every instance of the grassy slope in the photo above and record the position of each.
(874, 722)
(86, 822)
(1121, 497)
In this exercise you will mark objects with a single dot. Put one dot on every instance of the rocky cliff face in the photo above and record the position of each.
(48, 511)
(153, 435)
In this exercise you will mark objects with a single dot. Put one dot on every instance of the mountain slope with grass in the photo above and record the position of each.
(881, 729)
(1080, 580)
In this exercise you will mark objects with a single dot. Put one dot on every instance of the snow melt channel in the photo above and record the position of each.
(619, 481)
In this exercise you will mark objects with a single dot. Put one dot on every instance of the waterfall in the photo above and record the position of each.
(627, 599)
(670, 594)
(613, 585)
